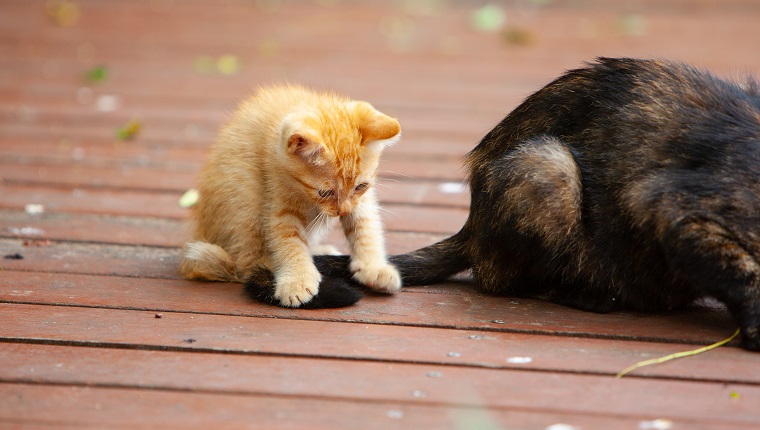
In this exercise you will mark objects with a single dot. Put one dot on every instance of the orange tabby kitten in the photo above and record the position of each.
(288, 161)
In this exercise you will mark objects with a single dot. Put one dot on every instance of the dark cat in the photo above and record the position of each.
(625, 185)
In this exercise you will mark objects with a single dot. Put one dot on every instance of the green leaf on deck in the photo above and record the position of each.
(189, 199)
(488, 18)
(97, 74)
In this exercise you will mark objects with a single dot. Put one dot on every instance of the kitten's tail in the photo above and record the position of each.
(203, 260)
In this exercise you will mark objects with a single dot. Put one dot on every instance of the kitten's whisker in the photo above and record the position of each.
(382, 209)
(314, 223)
(392, 172)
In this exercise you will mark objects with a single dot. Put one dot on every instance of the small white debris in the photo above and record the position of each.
(21, 293)
(395, 414)
(77, 153)
(26, 114)
(419, 393)
(658, 424)
(519, 360)
(454, 354)
(434, 374)
(107, 103)
(25, 231)
(85, 95)
(451, 187)
(562, 426)
(34, 208)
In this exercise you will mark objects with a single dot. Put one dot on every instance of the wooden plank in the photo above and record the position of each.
(186, 150)
(146, 231)
(445, 305)
(155, 179)
(398, 217)
(367, 382)
(104, 407)
(465, 308)
(295, 333)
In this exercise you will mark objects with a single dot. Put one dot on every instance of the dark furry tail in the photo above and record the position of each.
(334, 291)
(434, 263)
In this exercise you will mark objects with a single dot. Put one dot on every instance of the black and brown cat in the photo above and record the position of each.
(623, 185)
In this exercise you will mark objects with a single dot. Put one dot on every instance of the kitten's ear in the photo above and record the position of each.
(375, 126)
(298, 140)
(305, 148)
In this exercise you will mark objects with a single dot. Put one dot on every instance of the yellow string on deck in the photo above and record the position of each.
(629, 369)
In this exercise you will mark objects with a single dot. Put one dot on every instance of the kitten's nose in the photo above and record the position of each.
(344, 209)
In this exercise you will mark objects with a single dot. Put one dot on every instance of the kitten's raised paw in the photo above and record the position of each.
(383, 278)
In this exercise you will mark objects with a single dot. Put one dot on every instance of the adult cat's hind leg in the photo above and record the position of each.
(527, 206)
(712, 258)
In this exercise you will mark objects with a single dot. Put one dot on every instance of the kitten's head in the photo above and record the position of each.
(333, 151)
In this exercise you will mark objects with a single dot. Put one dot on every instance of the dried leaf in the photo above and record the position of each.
(228, 64)
(63, 12)
(518, 36)
(129, 131)
(629, 369)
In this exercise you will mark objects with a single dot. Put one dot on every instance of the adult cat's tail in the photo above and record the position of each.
(434, 263)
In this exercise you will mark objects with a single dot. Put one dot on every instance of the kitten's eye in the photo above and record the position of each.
(325, 193)
(361, 187)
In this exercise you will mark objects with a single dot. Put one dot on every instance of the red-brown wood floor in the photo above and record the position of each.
(81, 341)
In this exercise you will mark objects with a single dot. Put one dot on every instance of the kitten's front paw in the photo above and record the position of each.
(383, 278)
(293, 292)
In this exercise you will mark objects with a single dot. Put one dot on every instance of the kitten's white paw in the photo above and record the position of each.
(294, 291)
(383, 278)
(324, 250)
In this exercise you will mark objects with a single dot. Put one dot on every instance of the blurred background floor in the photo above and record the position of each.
(107, 110)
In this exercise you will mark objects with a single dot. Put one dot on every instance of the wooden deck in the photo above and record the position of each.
(97, 330)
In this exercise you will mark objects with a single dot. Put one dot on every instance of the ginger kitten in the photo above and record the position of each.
(287, 162)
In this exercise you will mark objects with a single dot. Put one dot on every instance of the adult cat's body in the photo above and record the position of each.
(628, 184)
(288, 160)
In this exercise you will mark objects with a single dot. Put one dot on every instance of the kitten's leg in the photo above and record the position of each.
(364, 232)
(296, 278)
(713, 259)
